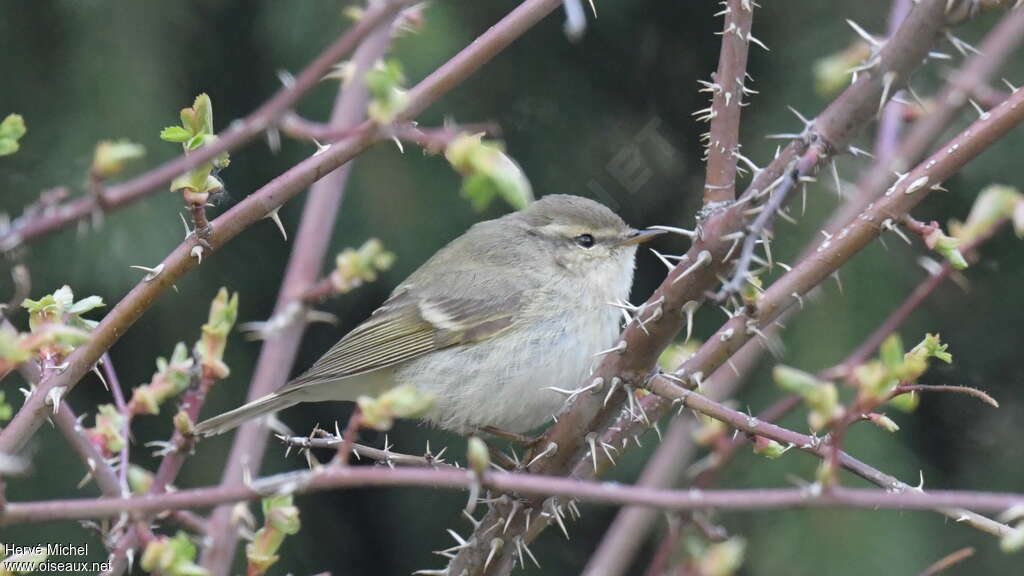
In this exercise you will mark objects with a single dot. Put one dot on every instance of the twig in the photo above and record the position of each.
(96, 465)
(33, 226)
(311, 244)
(900, 314)
(126, 415)
(363, 451)
(278, 354)
(338, 478)
(858, 233)
(728, 91)
(666, 388)
(903, 53)
(948, 561)
(887, 138)
(257, 206)
(965, 390)
(629, 530)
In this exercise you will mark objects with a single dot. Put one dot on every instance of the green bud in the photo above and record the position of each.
(891, 352)
(822, 398)
(875, 381)
(677, 353)
(722, 558)
(387, 97)
(931, 347)
(832, 73)
(111, 156)
(280, 513)
(199, 118)
(172, 556)
(883, 422)
(947, 247)
(280, 518)
(768, 448)
(6, 411)
(139, 479)
(825, 474)
(793, 380)
(11, 131)
(171, 378)
(751, 289)
(405, 401)
(708, 430)
(210, 348)
(60, 308)
(183, 423)
(13, 348)
(196, 131)
(352, 268)
(477, 455)
(994, 204)
(106, 433)
(906, 402)
(175, 134)
(487, 172)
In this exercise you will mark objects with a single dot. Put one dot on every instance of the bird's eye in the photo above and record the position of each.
(584, 240)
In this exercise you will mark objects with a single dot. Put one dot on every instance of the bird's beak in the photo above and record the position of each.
(640, 236)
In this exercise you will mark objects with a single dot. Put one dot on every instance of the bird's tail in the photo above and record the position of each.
(232, 419)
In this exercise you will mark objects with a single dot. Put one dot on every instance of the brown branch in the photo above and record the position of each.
(318, 218)
(858, 233)
(114, 383)
(304, 264)
(995, 49)
(965, 390)
(35, 225)
(258, 206)
(948, 561)
(629, 530)
(727, 94)
(666, 388)
(609, 493)
(96, 465)
(697, 273)
(887, 138)
(898, 316)
(360, 451)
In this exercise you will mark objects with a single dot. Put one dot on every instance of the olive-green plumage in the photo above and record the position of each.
(511, 307)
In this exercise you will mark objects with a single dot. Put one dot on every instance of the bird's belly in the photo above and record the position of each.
(503, 382)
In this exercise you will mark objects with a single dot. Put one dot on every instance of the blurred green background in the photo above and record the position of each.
(608, 117)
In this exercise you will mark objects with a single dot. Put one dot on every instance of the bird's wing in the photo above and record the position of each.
(410, 325)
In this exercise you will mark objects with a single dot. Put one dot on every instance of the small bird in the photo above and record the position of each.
(513, 306)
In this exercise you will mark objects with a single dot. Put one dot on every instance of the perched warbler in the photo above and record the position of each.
(511, 307)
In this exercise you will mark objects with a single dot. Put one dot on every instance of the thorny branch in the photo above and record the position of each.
(714, 227)
(664, 313)
(276, 360)
(259, 205)
(53, 218)
(311, 244)
(337, 478)
(728, 89)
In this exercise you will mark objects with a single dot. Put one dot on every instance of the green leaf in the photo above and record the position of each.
(111, 156)
(11, 130)
(175, 134)
(203, 109)
(86, 304)
(194, 142)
